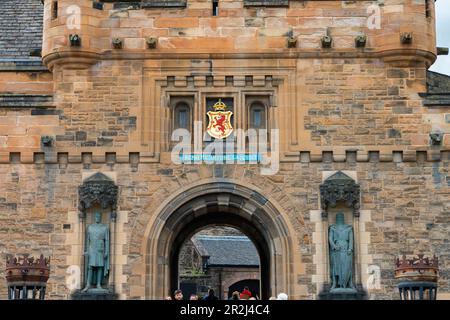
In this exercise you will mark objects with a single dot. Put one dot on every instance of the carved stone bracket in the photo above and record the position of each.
(340, 187)
(98, 189)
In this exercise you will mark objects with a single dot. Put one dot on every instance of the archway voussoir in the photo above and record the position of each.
(223, 201)
(201, 210)
(236, 201)
(249, 207)
(259, 198)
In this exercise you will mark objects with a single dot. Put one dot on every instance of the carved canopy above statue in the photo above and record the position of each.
(98, 189)
(339, 187)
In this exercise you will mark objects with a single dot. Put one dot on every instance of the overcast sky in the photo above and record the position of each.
(442, 64)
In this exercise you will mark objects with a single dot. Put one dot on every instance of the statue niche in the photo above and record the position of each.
(98, 193)
(340, 197)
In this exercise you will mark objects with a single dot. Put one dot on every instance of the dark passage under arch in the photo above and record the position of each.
(252, 284)
(220, 203)
(222, 217)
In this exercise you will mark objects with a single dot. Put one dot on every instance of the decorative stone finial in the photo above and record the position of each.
(417, 269)
(25, 269)
(418, 277)
(26, 276)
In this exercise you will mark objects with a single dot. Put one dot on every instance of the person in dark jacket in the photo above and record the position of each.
(210, 295)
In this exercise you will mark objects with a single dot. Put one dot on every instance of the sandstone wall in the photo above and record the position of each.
(320, 105)
(342, 108)
(405, 207)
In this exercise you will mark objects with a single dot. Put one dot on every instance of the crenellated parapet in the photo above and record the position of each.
(401, 33)
(90, 157)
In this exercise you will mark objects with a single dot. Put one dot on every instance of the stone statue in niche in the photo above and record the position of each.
(97, 253)
(340, 237)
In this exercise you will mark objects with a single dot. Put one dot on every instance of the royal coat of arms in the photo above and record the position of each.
(219, 121)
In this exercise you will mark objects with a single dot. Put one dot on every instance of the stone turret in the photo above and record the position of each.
(398, 31)
(407, 31)
(72, 33)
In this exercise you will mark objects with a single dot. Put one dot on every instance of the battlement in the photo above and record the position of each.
(398, 33)
(134, 158)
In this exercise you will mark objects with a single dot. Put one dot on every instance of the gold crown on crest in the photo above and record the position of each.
(219, 106)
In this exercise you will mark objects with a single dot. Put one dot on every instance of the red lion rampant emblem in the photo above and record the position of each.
(219, 121)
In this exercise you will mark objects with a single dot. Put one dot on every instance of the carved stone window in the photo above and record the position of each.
(427, 8)
(54, 10)
(258, 116)
(215, 8)
(340, 187)
(182, 116)
(98, 190)
(181, 111)
(257, 111)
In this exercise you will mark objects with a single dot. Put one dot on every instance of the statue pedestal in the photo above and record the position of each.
(94, 294)
(343, 294)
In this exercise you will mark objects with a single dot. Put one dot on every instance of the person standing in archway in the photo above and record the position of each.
(246, 294)
(178, 294)
(235, 296)
(210, 295)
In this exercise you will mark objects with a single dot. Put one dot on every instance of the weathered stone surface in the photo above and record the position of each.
(397, 73)
(338, 109)
(38, 213)
(25, 101)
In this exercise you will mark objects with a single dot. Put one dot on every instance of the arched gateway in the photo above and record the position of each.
(224, 203)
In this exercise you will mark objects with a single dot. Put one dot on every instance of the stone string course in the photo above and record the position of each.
(134, 158)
